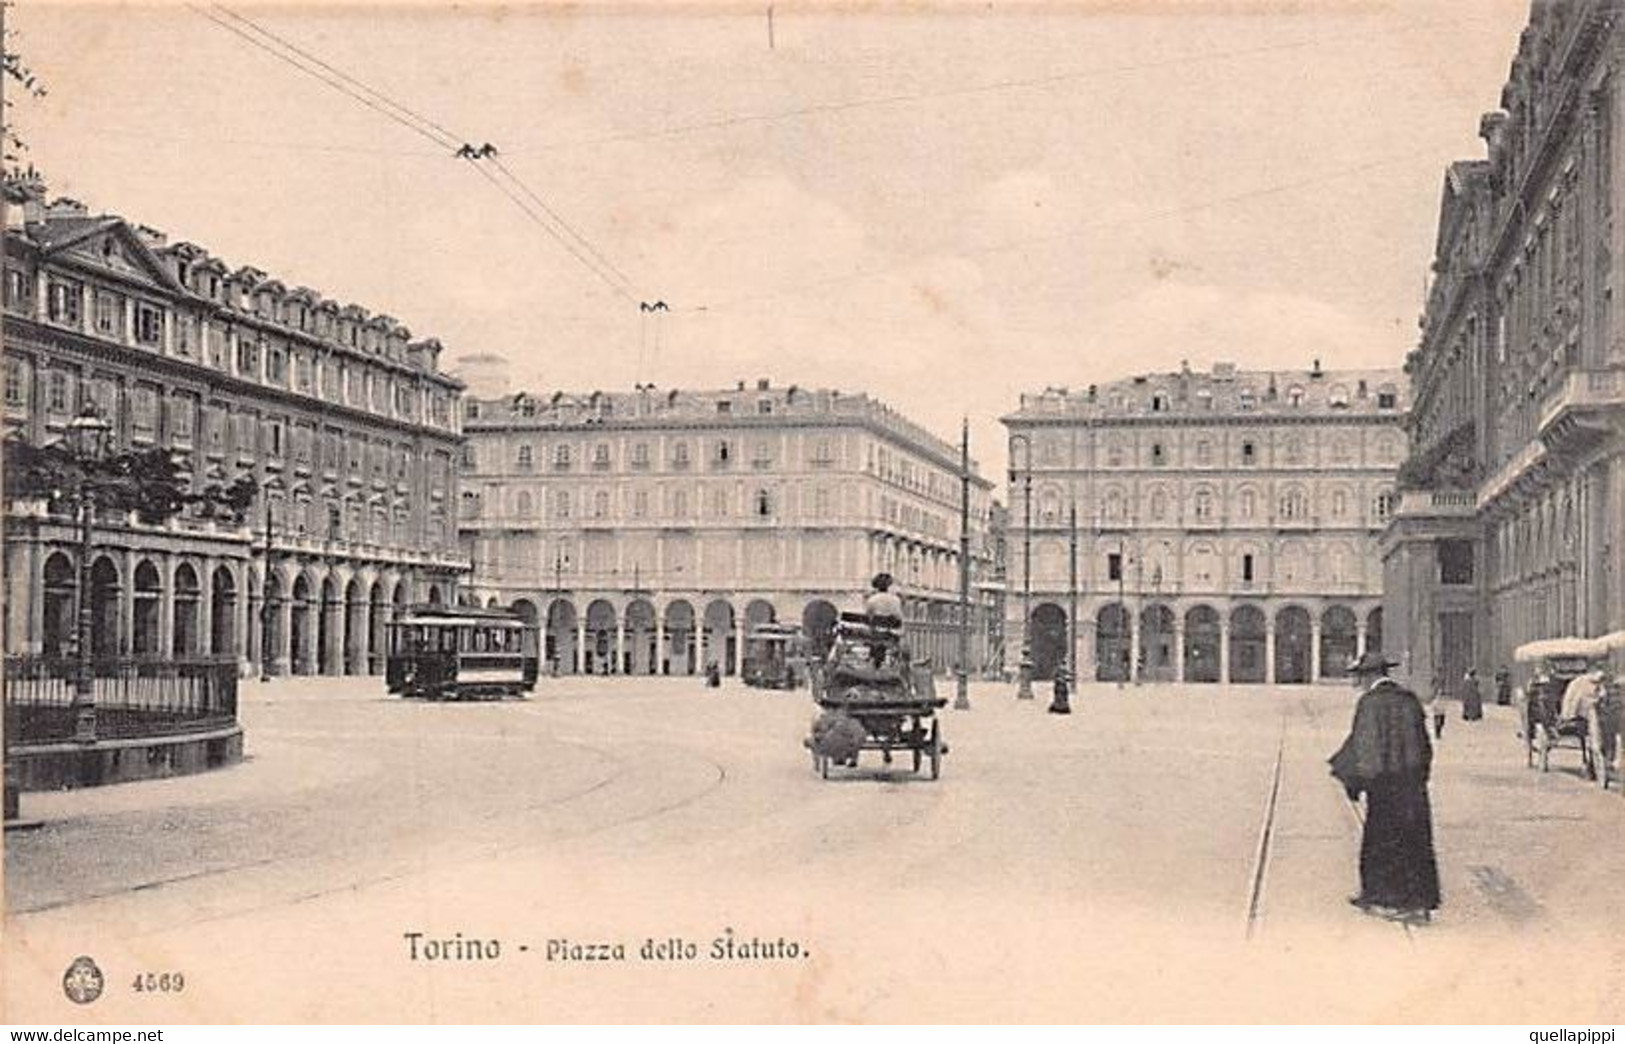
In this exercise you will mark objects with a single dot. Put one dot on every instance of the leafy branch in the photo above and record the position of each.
(150, 482)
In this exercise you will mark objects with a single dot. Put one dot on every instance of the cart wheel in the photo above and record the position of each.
(936, 749)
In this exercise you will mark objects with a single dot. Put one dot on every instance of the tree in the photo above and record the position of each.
(14, 69)
(150, 482)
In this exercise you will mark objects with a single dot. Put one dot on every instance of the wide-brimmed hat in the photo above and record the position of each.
(1371, 663)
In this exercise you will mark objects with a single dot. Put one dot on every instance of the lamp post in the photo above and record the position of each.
(1063, 682)
(962, 682)
(1024, 682)
(267, 637)
(87, 438)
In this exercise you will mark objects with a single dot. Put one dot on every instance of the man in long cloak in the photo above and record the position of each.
(1387, 757)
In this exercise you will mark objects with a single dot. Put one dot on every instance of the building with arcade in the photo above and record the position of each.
(345, 423)
(1225, 523)
(648, 531)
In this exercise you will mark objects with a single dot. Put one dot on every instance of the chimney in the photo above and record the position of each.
(154, 239)
(741, 386)
(27, 189)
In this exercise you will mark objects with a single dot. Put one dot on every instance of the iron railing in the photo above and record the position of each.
(135, 697)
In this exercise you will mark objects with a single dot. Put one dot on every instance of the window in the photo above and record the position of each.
(1204, 452)
(1158, 457)
(182, 419)
(640, 504)
(764, 504)
(725, 407)
(1249, 503)
(764, 406)
(1340, 503)
(724, 452)
(600, 504)
(561, 457)
(1159, 402)
(471, 409)
(1114, 566)
(1249, 453)
(522, 505)
(56, 395)
(1455, 561)
(144, 410)
(1294, 396)
(679, 455)
(719, 503)
(561, 504)
(468, 458)
(600, 457)
(1386, 400)
(335, 523)
(822, 456)
(149, 324)
(1204, 504)
(1247, 400)
(64, 301)
(1247, 568)
(1293, 504)
(273, 437)
(1384, 505)
(16, 388)
(248, 358)
(523, 459)
(1293, 449)
(186, 336)
(1204, 399)
(679, 504)
(1159, 505)
(109, 314)
(761, 455)
(640, 455)
(1114, 455)
(18, 292)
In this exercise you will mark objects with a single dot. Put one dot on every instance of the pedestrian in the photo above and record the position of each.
(1503, 686)
(1472, 698)
(1061, 703)
(1435, 706)
(713, 675)
(1387, 758)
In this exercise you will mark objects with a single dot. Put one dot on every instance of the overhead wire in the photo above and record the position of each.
(566, 235)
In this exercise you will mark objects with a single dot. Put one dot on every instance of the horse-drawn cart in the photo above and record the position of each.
(873, 698)
(1586, 719)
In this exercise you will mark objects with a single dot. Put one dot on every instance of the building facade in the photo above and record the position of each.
(1511, 520)
(345, 423)
(649, 531)
(1225, 523)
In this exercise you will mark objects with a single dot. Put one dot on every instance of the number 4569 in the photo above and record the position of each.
(159, 982)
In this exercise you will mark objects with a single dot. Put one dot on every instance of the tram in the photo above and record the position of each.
(442, 652)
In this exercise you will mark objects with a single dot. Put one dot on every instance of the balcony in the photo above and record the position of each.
(1576, 414)
(1423, 503)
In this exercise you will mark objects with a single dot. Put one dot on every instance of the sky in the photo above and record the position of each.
(944, 207)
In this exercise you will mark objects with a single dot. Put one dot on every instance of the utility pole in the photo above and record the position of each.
(962, 683)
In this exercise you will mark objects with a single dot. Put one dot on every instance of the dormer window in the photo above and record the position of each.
(725, 407)
(1387, 399)
(1159, 403)
(764, 406)
(1294, 396)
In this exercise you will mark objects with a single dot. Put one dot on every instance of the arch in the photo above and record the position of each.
(188, 593)
(1338, 637)
(149, 593)
(1202, 636)
(718, 640)
(641, 656)
(1248, 627)
(271, 623)
(375, 627)
(679, 654)
(355, 627)
(329, 660)
(1048, 628)
(493, 602)
(525, 609)
(1112, 640)
(223, 612)
(1292, 638)
(299, 621)
(1157, 642)
(600, 651)
(818, 624)
(561, 636)
(436, 596)
(1373, 630)
(61, 596)
(759, 611)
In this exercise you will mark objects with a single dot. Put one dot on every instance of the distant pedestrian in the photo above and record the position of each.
(713, 675)
(1387, 758)
(1503, 686)
(1472, 697)
(1434, 705)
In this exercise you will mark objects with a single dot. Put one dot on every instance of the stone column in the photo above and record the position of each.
(620, 648)
(739, 644)
(126, 605)
(1179, 650)
(1133, 645)
(281, 656)
(1359, 634)
(581, 643)
(166, 610)
(1269, 650)
(1224, 650)
(1314, 649)
(659, 665)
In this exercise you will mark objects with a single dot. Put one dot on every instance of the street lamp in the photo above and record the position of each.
(87, 439)
(1024, 682)
(962, 681)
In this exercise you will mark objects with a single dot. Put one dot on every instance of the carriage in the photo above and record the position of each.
(461, 652)
(1592, 727)
(774, 657)
(874, 698)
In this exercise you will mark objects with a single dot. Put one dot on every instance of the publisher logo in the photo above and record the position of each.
(82, 982)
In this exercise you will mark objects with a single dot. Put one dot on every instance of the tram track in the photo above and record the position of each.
(1266, 838)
